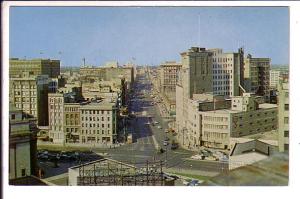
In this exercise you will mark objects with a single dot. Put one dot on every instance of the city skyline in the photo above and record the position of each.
(145, 35)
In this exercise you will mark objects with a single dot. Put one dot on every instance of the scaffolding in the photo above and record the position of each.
(107, 172)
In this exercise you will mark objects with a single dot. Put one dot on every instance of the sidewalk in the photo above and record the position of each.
(191, 172)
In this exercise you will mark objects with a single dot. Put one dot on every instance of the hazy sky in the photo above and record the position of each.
(149, 34)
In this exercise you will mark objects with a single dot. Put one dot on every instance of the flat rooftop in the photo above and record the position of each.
(272, 171)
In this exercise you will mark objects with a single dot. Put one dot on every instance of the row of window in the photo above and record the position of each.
(216, 135)
(221, 59)
(258, 122)
(95, 112)
(95, 131)
(266, 128)
(222, 76)
(222, 93)
(56, 100)
(221, 82)
(95, 125)
(222, 71)
(258, 114)
(71, 116)
(26, 93)
(19, 86)
(220, 88)
(215, 119)
(214, 126)
(95, 119)
(71, 109)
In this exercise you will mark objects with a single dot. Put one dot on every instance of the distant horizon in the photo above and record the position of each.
(145, 35)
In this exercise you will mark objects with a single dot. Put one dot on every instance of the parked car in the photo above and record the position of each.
(193, 183)
(174, 146)
(159, 127)
(166, 143)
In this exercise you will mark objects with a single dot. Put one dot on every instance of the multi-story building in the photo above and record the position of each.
(212, 121)
(227, 72)
(22, 144)
(191, 137)
(195, 77)
(275, 75)
(108, 73)
(21, 67)
(168, 76)
(283, 116)
(98, 122)
(31, 95)
(72, 120)
(56, 117)
(257, 73)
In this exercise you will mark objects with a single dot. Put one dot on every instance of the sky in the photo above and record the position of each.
(145, 35)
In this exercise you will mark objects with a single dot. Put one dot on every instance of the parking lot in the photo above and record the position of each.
(57, 162)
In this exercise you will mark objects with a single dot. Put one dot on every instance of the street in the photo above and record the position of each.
(147, 141)
(148, 138)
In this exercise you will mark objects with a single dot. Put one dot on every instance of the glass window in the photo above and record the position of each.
(286, 107)
(286, 133)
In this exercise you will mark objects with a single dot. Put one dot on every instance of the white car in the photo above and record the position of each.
(155, 122)
(159, 127)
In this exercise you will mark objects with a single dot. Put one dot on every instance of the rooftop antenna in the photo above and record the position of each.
(199, 25)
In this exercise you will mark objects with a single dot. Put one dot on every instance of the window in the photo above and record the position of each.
(287, 94)
(286, 147)
(286, 133)
(13, 116)
(286, 120)
(23, 172)
(286, 107)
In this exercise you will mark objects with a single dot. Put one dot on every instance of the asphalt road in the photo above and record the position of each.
(147, 140)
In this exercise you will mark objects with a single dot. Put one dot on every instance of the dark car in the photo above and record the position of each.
(174, 146)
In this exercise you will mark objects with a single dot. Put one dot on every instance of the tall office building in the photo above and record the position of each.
(30, 94)
(227, 72)
(195, 77)
(21, 67)
(275, 75)
(283, 115)
(257, 73)
(168, 75)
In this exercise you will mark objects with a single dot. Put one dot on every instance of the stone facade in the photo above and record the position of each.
(31, 95)
(22, 144)
(283, 116)
(34, 67)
